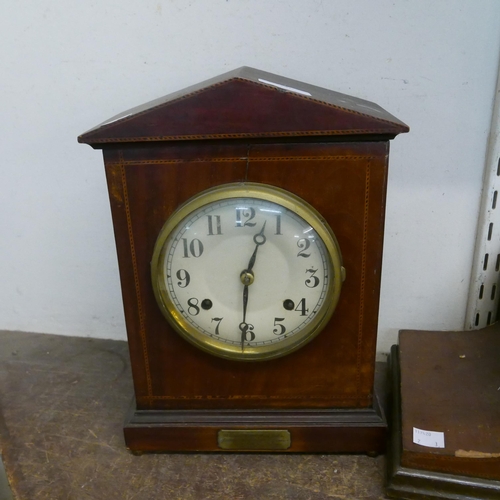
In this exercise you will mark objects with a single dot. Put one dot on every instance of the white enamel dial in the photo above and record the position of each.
(244, 271)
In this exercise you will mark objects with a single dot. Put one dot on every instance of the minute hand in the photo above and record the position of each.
(247, 278)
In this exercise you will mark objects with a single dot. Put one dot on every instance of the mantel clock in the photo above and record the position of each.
(248, 213)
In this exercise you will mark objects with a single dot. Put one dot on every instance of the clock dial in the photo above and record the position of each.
(247, 271)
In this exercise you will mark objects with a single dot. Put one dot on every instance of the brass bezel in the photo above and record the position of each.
(267, 193)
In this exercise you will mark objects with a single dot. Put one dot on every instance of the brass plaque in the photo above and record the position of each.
(254, 439)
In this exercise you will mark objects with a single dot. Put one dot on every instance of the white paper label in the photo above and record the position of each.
(284, 87)
(431, 439)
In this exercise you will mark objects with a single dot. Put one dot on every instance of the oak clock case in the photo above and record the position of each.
(238, 289)
(270, 139)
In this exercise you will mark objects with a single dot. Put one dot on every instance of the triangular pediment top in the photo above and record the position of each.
(247, 103)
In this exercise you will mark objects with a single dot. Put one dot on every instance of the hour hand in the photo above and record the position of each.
(259, 239)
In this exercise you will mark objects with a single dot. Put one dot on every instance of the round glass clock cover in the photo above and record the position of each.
(247, 271)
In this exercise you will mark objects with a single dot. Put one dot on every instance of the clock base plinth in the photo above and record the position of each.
(306, 431)
(320, 431)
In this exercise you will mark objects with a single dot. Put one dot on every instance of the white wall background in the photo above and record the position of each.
(66, 66)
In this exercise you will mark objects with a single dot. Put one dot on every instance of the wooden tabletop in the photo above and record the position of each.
(62, 407)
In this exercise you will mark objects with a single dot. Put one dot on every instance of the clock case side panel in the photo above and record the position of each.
(115, 176)
(347, 184)
(134, 174)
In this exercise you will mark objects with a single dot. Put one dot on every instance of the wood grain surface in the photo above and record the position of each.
(450, 384)
(345, 181)
(62, 402)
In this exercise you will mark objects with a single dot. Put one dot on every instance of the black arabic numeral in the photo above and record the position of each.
(281, 329)
(312, 281)
(245, 213)
(218, 320)
(249, 334)
(195, 248)
(193, 308)
(278, 224)
(303, 244)
(218, 226)
(183, 277)
(301, 307)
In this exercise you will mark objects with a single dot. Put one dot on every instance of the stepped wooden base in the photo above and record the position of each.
(311, 431)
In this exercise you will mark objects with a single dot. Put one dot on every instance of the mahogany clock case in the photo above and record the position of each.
(341, 181)
(157, 157)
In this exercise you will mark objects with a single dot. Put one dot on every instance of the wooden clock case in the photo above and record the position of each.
(250, 126)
